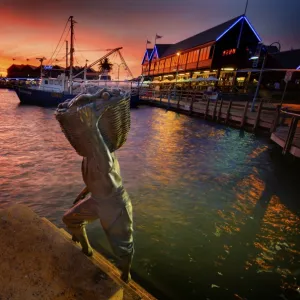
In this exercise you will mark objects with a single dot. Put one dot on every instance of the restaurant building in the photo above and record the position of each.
(222, 52)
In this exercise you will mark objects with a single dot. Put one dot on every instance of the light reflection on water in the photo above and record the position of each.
(216, 213)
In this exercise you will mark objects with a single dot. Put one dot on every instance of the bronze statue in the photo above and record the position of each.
(97, 125)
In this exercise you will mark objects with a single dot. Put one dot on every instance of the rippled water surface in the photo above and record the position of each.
(216, 211)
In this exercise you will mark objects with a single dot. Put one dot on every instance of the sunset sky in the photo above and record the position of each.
(32, 28)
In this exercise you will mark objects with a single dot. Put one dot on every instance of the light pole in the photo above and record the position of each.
(261, 72)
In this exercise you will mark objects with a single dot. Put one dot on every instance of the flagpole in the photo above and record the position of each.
(246, 8)
(155, 39)
(242, 26)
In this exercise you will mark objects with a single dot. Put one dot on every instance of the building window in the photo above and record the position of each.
(205, 53)
(183, 58)
(174, 61)
(152, 65)
(168, 63)
(192, 59)
(161, 64)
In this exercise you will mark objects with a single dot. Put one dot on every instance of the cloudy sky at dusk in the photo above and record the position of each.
(32, 28)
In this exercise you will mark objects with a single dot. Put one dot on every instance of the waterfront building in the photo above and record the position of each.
(221, 52)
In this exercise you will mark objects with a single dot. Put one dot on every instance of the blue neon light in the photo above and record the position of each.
(254, 31)
(298, 68)
(146, 53)
(236, 22)
(230, 28)
(155, 49)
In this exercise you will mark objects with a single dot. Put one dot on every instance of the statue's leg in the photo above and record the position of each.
(116, 220)
(76, 218)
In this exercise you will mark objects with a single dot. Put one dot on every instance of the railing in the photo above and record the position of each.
(212, 106)
(290, 119)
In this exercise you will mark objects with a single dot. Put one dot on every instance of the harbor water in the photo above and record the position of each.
(216, 210)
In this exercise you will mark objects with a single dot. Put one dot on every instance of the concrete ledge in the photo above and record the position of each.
(39, 261)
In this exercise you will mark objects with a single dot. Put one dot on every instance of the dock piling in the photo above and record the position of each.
(243, 119)
(257, 116)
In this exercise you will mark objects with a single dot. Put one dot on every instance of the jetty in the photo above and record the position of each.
(281, 124)
(39, 261)
(286, 131)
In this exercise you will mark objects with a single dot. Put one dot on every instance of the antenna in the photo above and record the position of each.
(72, 52)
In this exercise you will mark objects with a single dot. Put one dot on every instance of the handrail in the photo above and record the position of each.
(290, 113)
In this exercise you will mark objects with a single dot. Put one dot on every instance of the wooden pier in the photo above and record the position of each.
(286, 132)
(235, 113)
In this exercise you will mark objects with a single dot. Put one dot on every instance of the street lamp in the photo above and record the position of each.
(261, 71)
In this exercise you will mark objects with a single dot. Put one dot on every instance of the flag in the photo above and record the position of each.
(158, 36)
(148, 42)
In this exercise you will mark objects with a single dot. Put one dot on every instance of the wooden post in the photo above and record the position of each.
(178, 101)
(169, 98)
(215, 109)
(257, 116)
(243, 119)
(206, 108)
(282, 121)
(192, 102)
(276, 119)
(290, 136)
(220, 111)
(228, 112)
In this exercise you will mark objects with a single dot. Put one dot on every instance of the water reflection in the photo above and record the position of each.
(215, 211)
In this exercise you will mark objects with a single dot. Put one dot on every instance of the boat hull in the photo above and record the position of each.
(52, 99)
(41, 98)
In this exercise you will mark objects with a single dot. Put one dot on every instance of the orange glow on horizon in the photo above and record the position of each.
(25, 38)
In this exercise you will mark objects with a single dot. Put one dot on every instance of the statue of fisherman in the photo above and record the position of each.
(97, 125)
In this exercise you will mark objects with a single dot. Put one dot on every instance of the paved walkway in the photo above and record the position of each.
(39, 261)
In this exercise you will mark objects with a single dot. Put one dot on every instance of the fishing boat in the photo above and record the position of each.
(52, 91)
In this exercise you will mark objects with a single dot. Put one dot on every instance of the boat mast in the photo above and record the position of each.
(71, 53)
(41, 59)
(67, 54)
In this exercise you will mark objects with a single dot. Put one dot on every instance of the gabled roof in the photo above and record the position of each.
(147, 54)
(210, 35)
(149, 51)
(288, 59)
(161, 49)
